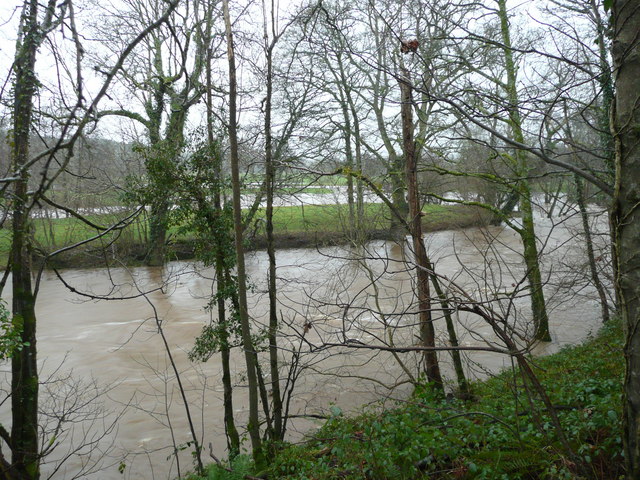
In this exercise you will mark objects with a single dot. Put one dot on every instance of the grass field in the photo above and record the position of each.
(52, 234)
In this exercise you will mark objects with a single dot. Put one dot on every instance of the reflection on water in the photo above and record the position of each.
(333, 295)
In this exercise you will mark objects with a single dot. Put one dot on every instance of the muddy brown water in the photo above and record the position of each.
(111, 350)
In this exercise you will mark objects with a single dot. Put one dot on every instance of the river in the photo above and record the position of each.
(104, 363)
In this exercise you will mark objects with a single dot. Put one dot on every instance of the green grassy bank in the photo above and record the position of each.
(297, 226)
(504, 433)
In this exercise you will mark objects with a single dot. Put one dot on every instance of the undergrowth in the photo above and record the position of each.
(504, 433)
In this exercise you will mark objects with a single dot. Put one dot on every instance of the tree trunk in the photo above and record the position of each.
(532, 263)
(506, 209)
(427, 330)
(398, 188)
(527, 233)
(354, 197)
(606, 84)
(221, 245)
(593, 268)
(349, 166)
(157, 232)
(271, 252)
(464, 389)
(160, 170)
(247, 344)
(359, 168)
(24, 367)
(233, 438)
(555, 197)
(626, 212)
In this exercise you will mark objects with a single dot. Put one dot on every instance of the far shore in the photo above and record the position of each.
(319, 228)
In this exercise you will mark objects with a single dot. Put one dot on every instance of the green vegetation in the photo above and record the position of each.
(332, 219)
(323, 218)
(496, 436)
(301, 224)
(50, 234)
(240, 467)
(10, 341)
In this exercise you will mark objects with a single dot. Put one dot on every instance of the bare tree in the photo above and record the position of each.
(427, 330)
(36, 24)
(247, 341)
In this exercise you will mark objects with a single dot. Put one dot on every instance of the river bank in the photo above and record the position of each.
(505, 432)
(294, 227)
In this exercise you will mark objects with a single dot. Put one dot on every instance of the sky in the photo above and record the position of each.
(8, 25)
(9, 16)
(46, 68)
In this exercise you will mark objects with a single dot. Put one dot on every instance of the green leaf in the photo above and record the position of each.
(608, 5)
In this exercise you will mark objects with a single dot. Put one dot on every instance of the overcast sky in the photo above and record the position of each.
(8, 25)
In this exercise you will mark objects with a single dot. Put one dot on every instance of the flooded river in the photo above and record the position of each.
(107, 358)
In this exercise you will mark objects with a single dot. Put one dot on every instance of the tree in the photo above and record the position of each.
(498, 68)
(625, 15)
(166, 79)
(594, 61)
(423, 267)
(358, 102)
(23, 440)
(36, 23)
(339, 80)
(212, 225)
(521, 170)
(247, 342)
(516, 113)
